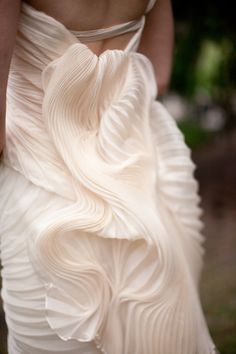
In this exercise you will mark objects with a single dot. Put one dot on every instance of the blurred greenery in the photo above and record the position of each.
(204, 52)
(204, 74)
(195, 136)
(211, 66)
(220, 307)
(203, 63)
(204, 66)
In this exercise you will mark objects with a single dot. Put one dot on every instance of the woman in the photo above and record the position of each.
(101, 241)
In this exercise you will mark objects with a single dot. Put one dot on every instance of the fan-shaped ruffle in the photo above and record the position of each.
(121, 260)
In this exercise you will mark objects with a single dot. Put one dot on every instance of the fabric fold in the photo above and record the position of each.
(115, 234)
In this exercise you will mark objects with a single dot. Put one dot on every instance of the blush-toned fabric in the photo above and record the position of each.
(101, 236)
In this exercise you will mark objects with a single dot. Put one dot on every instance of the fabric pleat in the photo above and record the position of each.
(101, 231)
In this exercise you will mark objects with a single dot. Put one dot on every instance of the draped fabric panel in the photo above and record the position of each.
(101, 236)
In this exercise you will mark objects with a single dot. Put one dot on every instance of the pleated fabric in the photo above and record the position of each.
(101, 235)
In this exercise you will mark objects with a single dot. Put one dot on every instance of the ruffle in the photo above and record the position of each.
(121, 260)
(125, 156)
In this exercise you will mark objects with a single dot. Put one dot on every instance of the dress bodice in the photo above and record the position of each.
(46, 50)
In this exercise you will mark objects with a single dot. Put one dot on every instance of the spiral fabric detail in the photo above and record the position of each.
(100, 201)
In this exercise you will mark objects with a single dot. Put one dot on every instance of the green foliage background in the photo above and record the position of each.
(205, 60)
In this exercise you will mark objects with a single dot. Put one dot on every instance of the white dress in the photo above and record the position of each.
(101, 242)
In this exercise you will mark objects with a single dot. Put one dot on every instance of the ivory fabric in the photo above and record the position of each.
(101, 237)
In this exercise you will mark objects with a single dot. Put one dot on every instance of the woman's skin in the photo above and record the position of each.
(156, 41)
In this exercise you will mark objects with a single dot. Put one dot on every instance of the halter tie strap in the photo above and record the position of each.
(115, 30)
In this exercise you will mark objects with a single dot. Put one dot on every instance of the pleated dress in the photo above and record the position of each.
(100, 224)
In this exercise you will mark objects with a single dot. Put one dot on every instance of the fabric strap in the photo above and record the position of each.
(115, 30)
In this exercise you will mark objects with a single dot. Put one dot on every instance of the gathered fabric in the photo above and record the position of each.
(101, 235)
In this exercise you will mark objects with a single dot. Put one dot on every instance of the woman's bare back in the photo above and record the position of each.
(93, 14)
